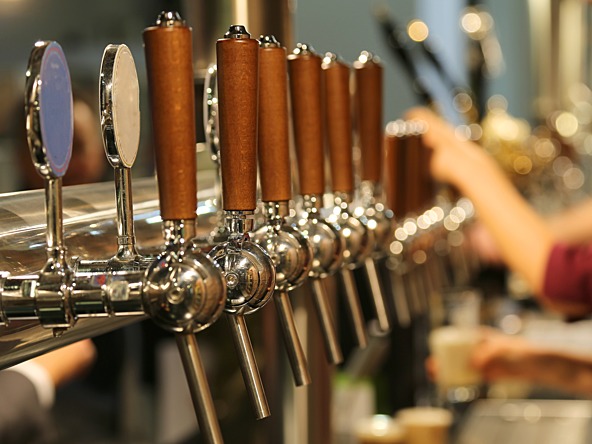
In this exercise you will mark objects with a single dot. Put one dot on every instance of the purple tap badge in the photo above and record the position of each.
(55, 109)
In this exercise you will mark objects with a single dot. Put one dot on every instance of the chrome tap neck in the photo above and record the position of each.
(312, 203)
(342, 200)
(126, 239)
(239, 222)
(276, 212)
(56, 252)
(177, 232)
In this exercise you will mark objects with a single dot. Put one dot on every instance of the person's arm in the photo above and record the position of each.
(572, 226)
(67, 363)
(28, 391)
(500, 357)
(522, 236)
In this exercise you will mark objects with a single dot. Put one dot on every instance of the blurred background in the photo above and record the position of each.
(344, 27)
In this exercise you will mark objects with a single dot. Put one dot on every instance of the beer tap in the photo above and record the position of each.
(182, 290)
(304, 67)
(368, 76)
(185, 290)
(50, 126)
(57, 296)
(119, 94)
(356, 236)
(288, 247)
(394, 166)
(248, 269)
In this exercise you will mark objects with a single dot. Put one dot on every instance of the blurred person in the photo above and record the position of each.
(504, 358)
(28, 392)
(500, 357)
(553, 261)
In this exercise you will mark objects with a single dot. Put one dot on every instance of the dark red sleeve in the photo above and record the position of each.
(568, 277)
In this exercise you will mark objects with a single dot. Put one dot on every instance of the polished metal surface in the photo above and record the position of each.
(354, 308)
(185, 291)
(378, 295)
(366, 57)
(90, 222)
(303, 49)
(108, 293)
(323, 308)
(178, 232)
(248, 272)
(169, 18)
(120, 126)
(296, 355)
(327, 247)
(239, 222)
(56, 252)
(126, 238)
(329, 59)
(324, 239)
(292, 256)
(89, 294)
(198, 387)
(398, 291)
(269, 41)
(250, 281)
(248, 366)
(378, 221)
(48, 106)
(237, 32)
(358, 238)
(289, 249)
(376, 217)
(359, 242)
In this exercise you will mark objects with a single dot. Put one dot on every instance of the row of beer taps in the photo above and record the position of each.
(239, 268)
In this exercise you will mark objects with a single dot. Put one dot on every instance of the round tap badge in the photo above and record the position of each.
(49, 109)
(120, 105)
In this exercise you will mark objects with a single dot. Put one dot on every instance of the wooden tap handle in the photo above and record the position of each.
(338, 124)
(304, 67)
(170, 82)
(369, 79)
(237, 60)
(394, 171)
(413, 157)
(274, 149)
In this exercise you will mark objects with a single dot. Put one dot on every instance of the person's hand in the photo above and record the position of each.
(495, 356)
(69, 362)
(498, 356)
(453, 158)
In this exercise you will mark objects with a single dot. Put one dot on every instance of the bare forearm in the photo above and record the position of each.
(524, 239)
(558, 370)
(573, 226)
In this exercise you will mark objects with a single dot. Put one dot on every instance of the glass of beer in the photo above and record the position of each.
(452, 345)
(379, 429)
(425, 425)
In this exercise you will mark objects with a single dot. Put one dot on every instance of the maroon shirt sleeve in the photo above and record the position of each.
(568, 277)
